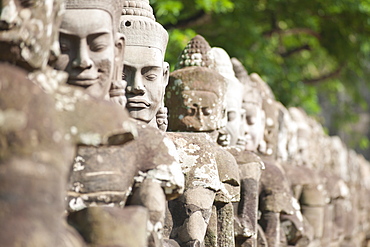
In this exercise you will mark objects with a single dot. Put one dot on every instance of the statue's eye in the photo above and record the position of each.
(206, 111)
(231, 115)
(28, 3)
(191, 111)
(151, 77)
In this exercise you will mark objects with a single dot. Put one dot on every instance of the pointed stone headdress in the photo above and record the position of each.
(113, 7)
(138, 25)
(252, 95)
(240, 72)
(222, 62)
(196, 53)
(262, 86)
(194, 74)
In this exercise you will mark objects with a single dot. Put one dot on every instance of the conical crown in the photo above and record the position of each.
(138, 8)
(112, 7)
(196, 53)
(138, 25)
(240, 72)
(252, 95)
(222, 62)
(262, 86)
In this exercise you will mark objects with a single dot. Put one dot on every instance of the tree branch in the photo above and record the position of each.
(197, 19)
(324, 77)
(293, 31)
(295, 50)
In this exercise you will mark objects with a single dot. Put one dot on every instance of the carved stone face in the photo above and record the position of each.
(303, 136)
(28, 31)
(234, 111)
(202, 112)
(89, 49)
(195, 99)
(254, 126)
(147, 77)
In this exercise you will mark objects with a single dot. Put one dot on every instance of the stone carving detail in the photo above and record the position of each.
(196, 95)
(147, 74)
(140, 172)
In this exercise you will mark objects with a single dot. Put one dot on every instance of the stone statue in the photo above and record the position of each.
(254, 122)
(203, 216)
(144, 70)
(142, 171)
(250, 165)
(275, 198)
(302, 180)
(34, 157)
(33, 165)
(47, 134)
(38, 143)
(234, 94)
(268, 145)
(91, 58)
(29, 33)
(307, 183)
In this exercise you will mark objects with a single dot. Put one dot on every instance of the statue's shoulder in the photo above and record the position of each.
(245, 157)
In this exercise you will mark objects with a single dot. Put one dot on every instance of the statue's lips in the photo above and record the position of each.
(137, 103)
(82, 82)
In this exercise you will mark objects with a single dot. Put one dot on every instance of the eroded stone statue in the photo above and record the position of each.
(144, 70)
(203, 216)
(275, 198)
(142, 171)
(34, 158)
(91, 47)
(39, 141)
(28, 36)
(249, 164)
(307, 183)
(33, 165)
(234, 95)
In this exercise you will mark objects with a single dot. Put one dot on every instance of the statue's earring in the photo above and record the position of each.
(117, 92)
(161, 117)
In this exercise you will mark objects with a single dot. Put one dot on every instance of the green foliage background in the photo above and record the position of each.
(307, 51)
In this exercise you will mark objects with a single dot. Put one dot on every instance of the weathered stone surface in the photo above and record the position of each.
(196, 96)
(112, 226)
(234, 94)
(105, 175)
(275, 193)
(246, 212)
(188, 106)
(88, 67)
(306, 189)
(33, 164)
(146, 74)
(29, 33)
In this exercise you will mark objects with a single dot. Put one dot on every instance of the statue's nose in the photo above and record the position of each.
(8, 14)
(136, 84)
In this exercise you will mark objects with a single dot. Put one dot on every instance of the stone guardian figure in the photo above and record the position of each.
(203, 216)
(144, 70)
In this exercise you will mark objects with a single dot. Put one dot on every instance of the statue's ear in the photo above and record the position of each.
(263, 116)
(166, 73)
(120, 44)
